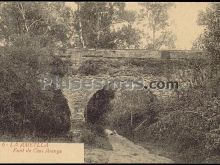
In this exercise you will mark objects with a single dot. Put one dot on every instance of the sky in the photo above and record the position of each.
(183, 17)
(185, 23)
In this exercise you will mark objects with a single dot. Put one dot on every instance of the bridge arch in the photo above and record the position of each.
(103, 101)
(99, 104)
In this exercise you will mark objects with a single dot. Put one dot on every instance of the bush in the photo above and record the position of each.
(93, 67)
(54, 115)
(59, 67)
(142, 104)
(25, 108)
(99, 130)
(88, 137)
(183, 131)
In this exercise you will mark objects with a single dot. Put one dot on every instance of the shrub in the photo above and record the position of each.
(88, 137)
(25, 108)
(93, 67)
(183, 131)
(138, 103)
(59, 67)
(54, 115)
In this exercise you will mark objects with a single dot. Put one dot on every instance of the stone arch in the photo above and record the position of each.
(101, 99)
(98, 104)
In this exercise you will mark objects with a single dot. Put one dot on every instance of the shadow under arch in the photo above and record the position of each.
(99, 105)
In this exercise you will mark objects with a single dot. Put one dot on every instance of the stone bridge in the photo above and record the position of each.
(78, 99)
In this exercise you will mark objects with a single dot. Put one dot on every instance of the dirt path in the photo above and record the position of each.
(124, 151)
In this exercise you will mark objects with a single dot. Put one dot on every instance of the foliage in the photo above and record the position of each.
(139, 104)
(88, 137)
(93, 67)
(49, 21)
(31, 32)
(188, 125)
(25, 108)
(198, 44)
(211, 37)
(95, 24)
(156, 16)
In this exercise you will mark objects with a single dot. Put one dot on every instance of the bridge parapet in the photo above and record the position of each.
(135, 53)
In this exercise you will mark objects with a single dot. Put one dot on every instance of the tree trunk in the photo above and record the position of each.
(80, 28)
(98, 26)
(154, 32)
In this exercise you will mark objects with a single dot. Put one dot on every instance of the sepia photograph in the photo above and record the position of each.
(109, 82)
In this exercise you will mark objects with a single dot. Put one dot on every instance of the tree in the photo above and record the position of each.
(210, 20)
(31, 32)
(198, 44)
(156, 17)
(49, 24)
(48, 21)
(25, 107)
(95, 24)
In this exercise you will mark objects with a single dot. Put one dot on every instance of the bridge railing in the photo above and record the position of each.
(134, 53)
